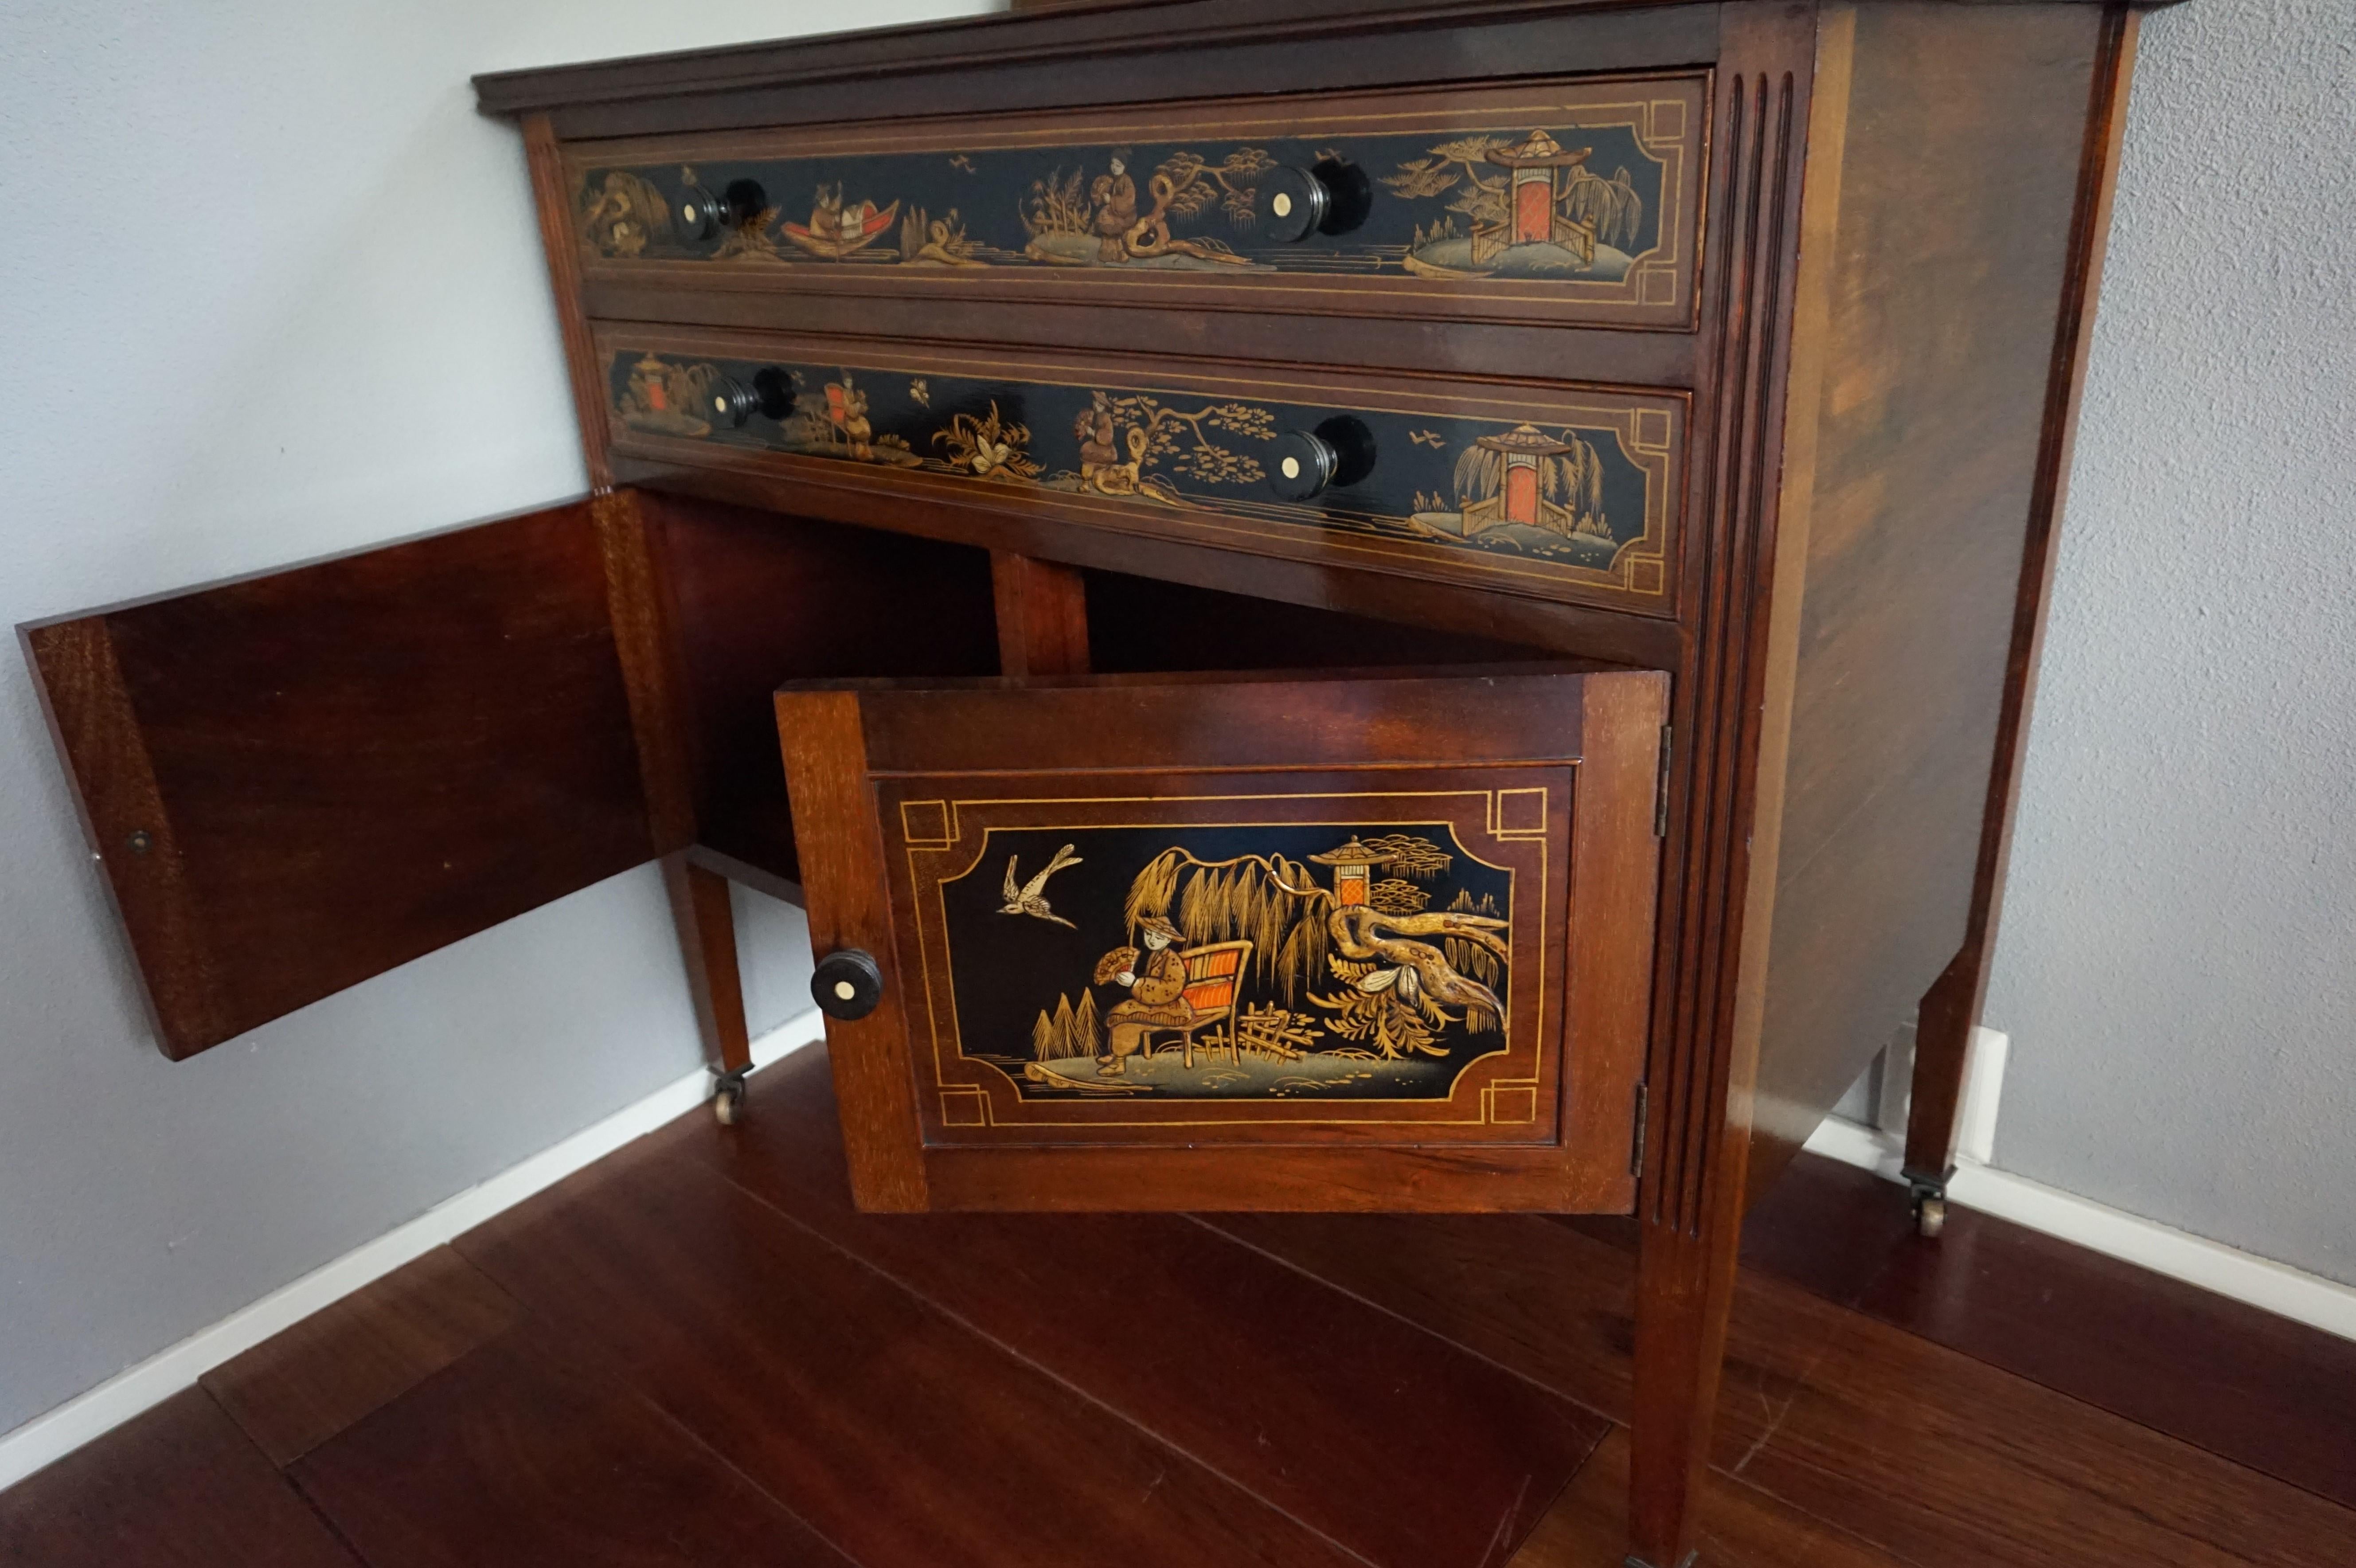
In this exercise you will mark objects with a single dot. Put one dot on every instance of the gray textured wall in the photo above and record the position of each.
(271, 288)
(2176, 964)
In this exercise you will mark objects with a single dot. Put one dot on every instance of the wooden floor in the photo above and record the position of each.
(696, 1353)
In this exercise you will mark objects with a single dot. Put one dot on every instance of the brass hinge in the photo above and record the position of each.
(1661, 785)
(1637, 1143)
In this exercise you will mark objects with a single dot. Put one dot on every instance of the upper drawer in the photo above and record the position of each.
(1566, 201)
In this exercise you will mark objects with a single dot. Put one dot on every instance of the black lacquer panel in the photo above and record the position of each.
(1237, 950)
(1331, 960)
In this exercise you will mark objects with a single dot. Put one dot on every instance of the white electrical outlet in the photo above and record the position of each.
(1983, 1089)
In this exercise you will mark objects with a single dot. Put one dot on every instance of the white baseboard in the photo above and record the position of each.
(2244, 1276)
(57, 1432)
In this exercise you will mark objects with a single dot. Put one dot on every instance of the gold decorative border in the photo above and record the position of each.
(1510, 1103)
(933, 835)
(964, 1105)
(1516, 805)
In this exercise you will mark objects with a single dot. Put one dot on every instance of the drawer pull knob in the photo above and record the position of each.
(847, 983)
(704, 215)
(769, 393)
(1339, 452)
(1332, 199)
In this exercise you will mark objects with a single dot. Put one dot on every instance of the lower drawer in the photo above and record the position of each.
(1560, 492)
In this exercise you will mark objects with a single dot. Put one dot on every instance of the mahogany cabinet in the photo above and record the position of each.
(1412, 605)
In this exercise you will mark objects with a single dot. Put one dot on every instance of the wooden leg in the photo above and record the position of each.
(1042, 615)
(1703, 1064)
(1943, 1038)
(707, 937)
(1685, 1289)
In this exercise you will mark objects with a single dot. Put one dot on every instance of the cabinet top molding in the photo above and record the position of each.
(1033, 38)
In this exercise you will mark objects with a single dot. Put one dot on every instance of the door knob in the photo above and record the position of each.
(769, 393)
(1333, 197)
(847, 983)
(1341, 451)
(704, 215)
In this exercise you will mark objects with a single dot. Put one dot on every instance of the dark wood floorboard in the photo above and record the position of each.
(2245, 1384)
(299, 1388)
(1294, 1391)
(695, 1353)
(1828, 1228)
(900, 1435)
(1946, 1460)
(1541, 1299)
(2260, 1390)
(509, 1459)
(179, 1487)
(1741, 1527)
(1912, 1446)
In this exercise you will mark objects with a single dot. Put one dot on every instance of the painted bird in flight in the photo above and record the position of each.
(1031, 898)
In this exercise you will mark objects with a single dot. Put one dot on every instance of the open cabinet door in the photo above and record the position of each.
(297, 780)
(1279, 942)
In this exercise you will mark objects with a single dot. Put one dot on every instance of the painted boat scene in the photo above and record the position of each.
(1578, 197)
(837, 228)
(1365, 962)
(1577, 494)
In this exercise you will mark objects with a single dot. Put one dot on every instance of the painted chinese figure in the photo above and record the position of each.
(1157, 994)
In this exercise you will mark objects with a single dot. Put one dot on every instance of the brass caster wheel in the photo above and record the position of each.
(728, 1099)
(1931, 1218)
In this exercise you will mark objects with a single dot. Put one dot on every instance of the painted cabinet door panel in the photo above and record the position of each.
(1555, 491)
(1220, 942)
(1568, 201)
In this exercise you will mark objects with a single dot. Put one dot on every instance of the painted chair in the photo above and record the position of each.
(1215, 972)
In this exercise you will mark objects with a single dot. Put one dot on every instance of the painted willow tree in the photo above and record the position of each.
(1395, 990)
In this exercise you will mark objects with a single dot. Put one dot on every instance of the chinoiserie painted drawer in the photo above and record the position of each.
(1560, 492)
(1570, 201)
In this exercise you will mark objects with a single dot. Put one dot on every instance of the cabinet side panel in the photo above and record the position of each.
(1945, 270)
(759, 599)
